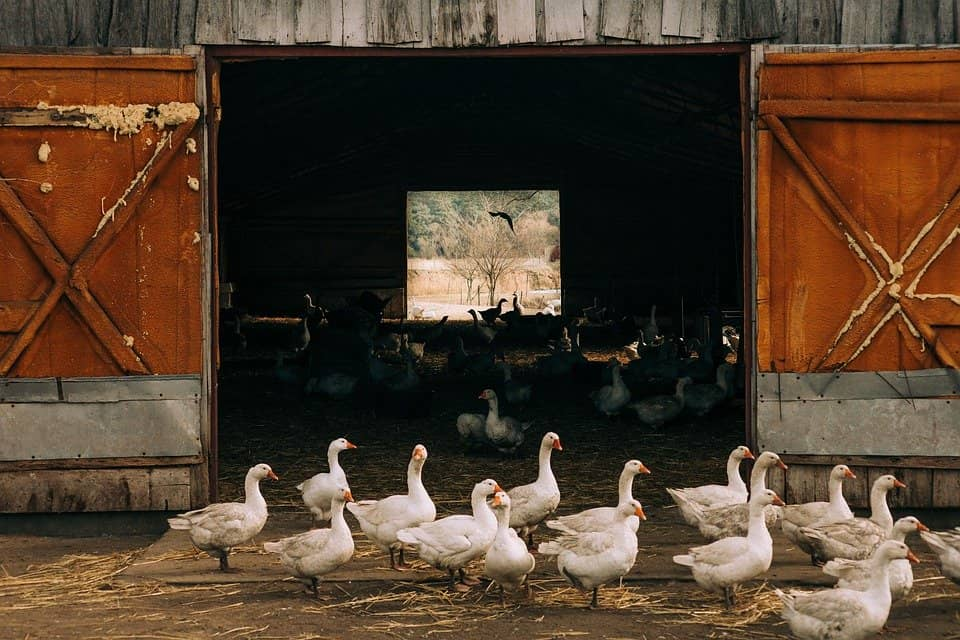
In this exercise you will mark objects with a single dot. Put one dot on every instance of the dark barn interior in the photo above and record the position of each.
(316, 155)
(315, 158)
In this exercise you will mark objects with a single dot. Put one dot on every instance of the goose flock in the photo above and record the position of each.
(599, 545)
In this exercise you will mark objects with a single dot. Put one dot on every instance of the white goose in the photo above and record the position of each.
(946, 544)
(381, 519)
(318, 491)
(452, 542)
(733, 520)
(317, 552)
(724, 564)
(810, 514)
(534, 502)
(507, 561)
(600, 518)
(856, 538)
(219, 527)
(592, 558)
(858, 574)
(715, 495)
(845, 614)
(613, 397)
(503, 432)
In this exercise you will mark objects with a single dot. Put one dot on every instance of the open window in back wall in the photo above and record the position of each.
(470, 249)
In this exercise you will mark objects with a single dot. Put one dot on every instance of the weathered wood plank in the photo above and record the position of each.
(863, 110)
(730, 27)
(216, 22)
(651, 21)
(88, 23)
(622, 19)
(919, 19)
(186, 22)
(257, 20)
(17, 21)
(946, 488)
(354, 21)
(948, 24)
(818, 22)
(761, 20)
(516, 21)
(61, 491)
(870, 21)
(394, 21)
(313, 21)
(127, 24)
(162, 23)
(100, 463)
(788, 11)
(478, 23)
(682, 18)
(591, 22)
(563, 20)
(286, 23)
(50, 22)
(913, 462)
(14, 315)
(446, 21)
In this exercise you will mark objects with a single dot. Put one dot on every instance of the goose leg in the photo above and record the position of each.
(503, 602)
(729, 596)
(530, 544)
(313, 585)
(467, 580)
(401, 565)
(594, 603)
(224, 564)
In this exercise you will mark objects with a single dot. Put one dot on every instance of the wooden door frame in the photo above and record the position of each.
(215, 55)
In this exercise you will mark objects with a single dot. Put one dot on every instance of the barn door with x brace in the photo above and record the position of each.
(857, 253)
(101, 248)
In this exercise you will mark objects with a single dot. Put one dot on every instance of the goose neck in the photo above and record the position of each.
(879, 510)
(625, 488)
(757, 525)
(337, 522)
(836, 491)
(758, 477)
(545, 472)
(503, 519)
(414, 478)
(481, 510)
(734, 481)
(333, 460)
(494, 404)
(251, 490)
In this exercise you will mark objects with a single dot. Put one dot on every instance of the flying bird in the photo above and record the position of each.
(505, 216)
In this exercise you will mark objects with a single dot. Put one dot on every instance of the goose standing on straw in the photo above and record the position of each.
(724, 564)
(219, 527)
(317, 552)
(507, 561)
(382, 519)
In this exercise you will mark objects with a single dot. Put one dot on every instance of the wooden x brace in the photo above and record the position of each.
(71, 279)
(895, 293)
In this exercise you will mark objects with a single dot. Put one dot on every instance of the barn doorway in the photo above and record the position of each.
(483, 249)
(318, 157)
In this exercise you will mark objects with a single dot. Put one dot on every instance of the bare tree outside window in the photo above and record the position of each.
(470, 248)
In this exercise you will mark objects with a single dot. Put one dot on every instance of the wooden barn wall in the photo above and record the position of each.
(472, 23)
(101, 338)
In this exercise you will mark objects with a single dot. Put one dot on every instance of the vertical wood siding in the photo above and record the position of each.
(469, 23)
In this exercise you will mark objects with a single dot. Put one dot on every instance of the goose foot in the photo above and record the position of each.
(468, 580)
(225, 564)
(460, 587)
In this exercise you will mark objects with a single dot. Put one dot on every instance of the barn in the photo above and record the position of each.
(790, 161)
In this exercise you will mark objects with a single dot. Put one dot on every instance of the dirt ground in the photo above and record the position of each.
(122, 587)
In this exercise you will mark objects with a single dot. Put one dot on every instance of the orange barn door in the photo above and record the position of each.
(858, 258)
(101, 243)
